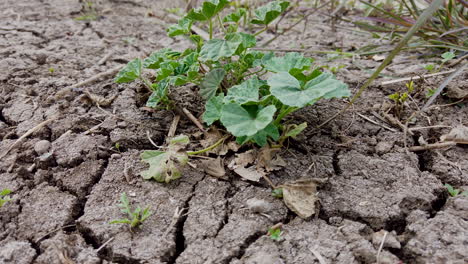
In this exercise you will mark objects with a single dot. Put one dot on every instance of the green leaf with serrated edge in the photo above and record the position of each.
(252, 58)
(216, 49)
(292, 62)
(181, 28)
(163, 165)
(130, 72)
(261, 137)
(236, 16)
(264, 15)
(296, 130)
(447, 56)
(208, 10)
(159, 94)
(288, 89)
(263, 59)
(244, 92)
(166, 69)
(248, 41)
(211, 82)
(156, 58)
(213, 109)
(241, 122)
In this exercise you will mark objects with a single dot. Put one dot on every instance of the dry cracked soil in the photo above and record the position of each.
(66, 178)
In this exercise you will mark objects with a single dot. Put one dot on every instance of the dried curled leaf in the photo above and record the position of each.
(164, 165)
(214, 167)
(300, 196)
(458, 134)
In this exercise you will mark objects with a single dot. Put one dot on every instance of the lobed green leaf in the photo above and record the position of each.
(130, 72)
(264, 15)
(246, 121)
(211, 83)
(290, 92)
(213, 109)
(216, 49)
(183, 27)
(208, 10)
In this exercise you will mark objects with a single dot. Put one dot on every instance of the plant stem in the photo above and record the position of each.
(147, 83)
(261, 31)
(196, 152)
(211, 29)
(221, 24)
(285, 110)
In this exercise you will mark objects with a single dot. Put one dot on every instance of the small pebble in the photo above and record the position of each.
(383, 147)
(259, 206)
(42, 147)
(115, 156)
(390, 239)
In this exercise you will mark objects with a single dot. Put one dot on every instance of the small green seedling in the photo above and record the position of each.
(117, 146)
(277, 193)
(275, 233)
(454, 192)
(447, 56)
(136, 217)
(430, 92)
(4, 198)
(400, 98)
(51, 70)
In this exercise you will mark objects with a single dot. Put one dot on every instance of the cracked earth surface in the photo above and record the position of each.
(62, 205)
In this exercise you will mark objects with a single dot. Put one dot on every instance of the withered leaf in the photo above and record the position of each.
(458, 134)
(300, 196)
(214, 167)
(249, 173)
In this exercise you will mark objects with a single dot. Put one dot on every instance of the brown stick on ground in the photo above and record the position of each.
(193, 119)
(432, 146)
(173, 127)
(96, 77)
(28, 133)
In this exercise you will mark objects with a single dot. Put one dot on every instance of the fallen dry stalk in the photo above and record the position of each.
(416, 77)
(433, 146)
(96, 77)
(27, 134)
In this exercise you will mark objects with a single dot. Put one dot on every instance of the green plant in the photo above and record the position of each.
(400, 98)
(248, 92)
(445, 57)
(4, 198)
(275, 233)
(136, 217)
(277, 193)
(454, 192)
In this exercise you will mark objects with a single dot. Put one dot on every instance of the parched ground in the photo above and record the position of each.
(67, 177)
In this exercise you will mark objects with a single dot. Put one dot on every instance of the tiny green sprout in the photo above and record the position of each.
(277, 193)
(447, 56)
(51, 70)
(136, 217)
(117, 146)
(429, 67)
(430, 92)
(275, 233)
(410, 86)
(4, 198)
(454, 192)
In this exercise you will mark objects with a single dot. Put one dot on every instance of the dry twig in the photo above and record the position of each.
(28, 133)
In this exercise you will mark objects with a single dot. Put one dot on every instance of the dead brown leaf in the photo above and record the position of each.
(457, 93)
(249, 173)
(300, 196)
(458, 134)
(214, 167)
(212, 136)
(270, 159)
